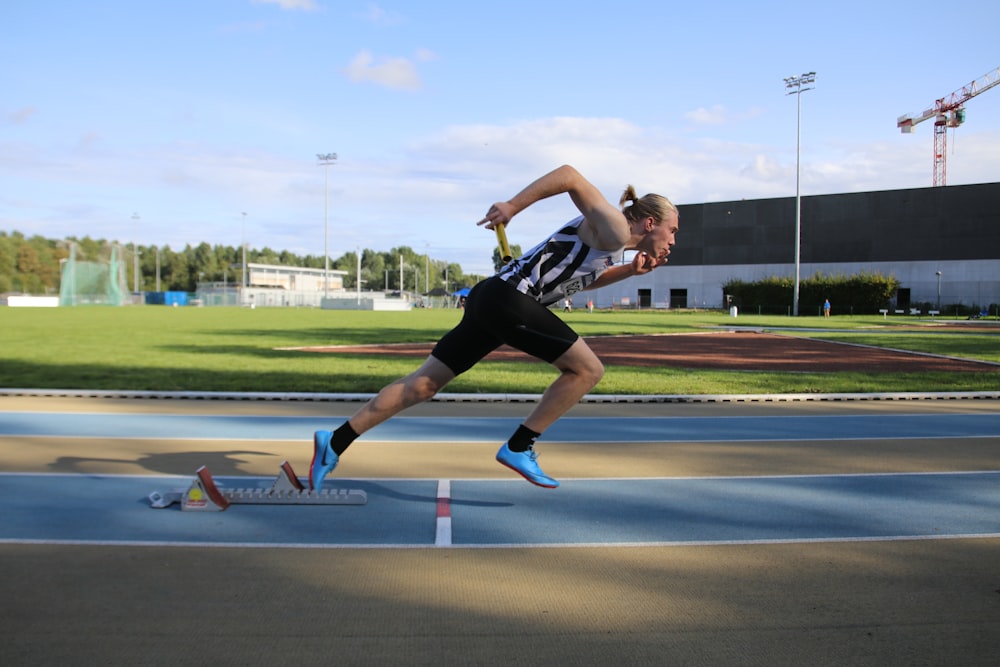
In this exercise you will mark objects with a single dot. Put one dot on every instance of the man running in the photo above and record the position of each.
(512, 307)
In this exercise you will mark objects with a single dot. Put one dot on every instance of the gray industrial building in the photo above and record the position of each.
(941, 243)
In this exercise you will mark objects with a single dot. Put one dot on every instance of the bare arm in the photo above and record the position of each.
(640, 264)
(605, 226)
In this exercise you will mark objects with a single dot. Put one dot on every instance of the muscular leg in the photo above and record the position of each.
(415, 388)
(580, 371)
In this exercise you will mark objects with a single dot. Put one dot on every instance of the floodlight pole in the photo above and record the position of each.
(325, 160)
(796, 83)
(938, 273)
(135, 255)
(243, 248)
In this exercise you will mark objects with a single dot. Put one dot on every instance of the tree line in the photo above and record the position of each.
(33, 265)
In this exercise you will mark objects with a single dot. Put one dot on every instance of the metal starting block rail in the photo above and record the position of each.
(204, 495)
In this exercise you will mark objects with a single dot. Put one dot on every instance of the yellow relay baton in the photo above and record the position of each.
(505, 254)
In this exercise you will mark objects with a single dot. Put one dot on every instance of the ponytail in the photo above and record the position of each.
(657, 206)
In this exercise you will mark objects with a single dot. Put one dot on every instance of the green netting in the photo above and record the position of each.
(85, 283)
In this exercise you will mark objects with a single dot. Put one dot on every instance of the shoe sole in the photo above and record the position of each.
(544, 486)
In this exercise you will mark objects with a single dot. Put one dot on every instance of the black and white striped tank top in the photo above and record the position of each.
(559, 266)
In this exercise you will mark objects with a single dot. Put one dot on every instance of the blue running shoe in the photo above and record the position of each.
(525, 464)
(324, 460)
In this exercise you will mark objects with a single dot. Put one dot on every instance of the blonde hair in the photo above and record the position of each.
(656, 206)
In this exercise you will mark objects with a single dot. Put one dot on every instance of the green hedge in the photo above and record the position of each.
(863, 293)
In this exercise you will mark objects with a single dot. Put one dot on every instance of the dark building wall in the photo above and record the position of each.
(944, 223)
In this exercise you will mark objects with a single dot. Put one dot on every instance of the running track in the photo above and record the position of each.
(109, 509)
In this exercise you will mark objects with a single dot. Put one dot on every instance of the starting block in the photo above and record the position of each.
(205, 496)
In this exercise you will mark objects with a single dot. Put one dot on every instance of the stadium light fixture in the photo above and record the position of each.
(794, 85)
(325, 160)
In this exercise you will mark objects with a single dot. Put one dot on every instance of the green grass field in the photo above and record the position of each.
(236, 349)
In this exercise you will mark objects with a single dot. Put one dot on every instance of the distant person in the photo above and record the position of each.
(568, 305)
(512, 307)
(590, 305)
(826, 308)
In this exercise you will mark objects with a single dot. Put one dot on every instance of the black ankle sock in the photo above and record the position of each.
(342, 438)
(522, 439)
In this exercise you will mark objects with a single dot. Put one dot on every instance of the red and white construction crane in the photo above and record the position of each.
(948, 112)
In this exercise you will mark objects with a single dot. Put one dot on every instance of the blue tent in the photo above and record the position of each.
(462, 292)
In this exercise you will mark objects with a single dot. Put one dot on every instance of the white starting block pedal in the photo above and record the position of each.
(205, 496)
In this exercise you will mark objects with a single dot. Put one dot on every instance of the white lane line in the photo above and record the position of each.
(442, 536)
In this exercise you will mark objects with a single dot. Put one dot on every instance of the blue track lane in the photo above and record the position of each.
(465, 429)
(109, 509)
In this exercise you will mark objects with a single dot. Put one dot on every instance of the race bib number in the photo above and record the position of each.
(573, 286)
(578, 284)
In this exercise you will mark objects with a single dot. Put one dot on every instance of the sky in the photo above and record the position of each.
(187, 121)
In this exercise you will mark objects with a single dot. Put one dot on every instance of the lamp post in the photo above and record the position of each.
(939, 290)
(325, 160)
(243, 261)
(794, 85)
(135, 254)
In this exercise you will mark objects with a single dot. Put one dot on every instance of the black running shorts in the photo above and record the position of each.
(496, 313)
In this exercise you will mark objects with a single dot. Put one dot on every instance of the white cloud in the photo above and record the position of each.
(304, 5)
(479, 164)
(716, 115)
(376, 14)
(763, 167)
(396, 73)
(720, 115)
